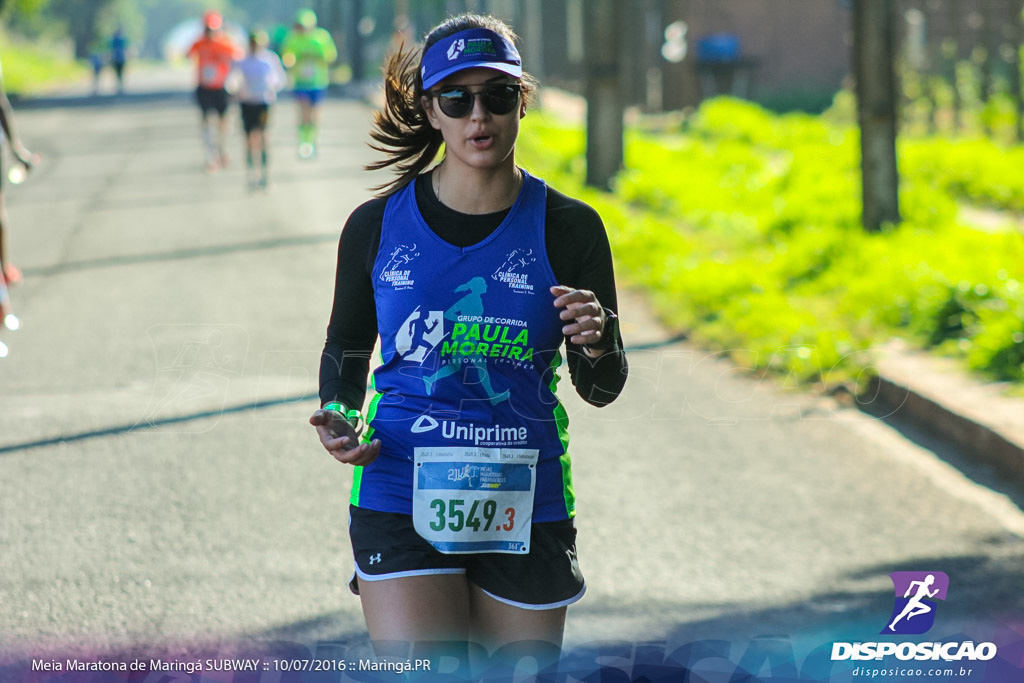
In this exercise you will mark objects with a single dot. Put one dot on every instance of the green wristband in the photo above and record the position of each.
(353, 417)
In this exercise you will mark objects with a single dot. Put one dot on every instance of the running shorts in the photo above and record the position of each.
(215, 99)
(386, 546)
(311, 95)
(254, 116)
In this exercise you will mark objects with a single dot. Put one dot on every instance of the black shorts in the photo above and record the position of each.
(254, 116)
(215, 99)
(386, 546)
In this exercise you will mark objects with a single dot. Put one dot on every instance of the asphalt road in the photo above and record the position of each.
(160, 488)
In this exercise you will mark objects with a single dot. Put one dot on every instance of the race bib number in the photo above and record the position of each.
(208, 75)
(475, 500)
(307, 72)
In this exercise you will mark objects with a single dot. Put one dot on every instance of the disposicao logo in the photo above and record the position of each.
(913, 613)
(914, 609)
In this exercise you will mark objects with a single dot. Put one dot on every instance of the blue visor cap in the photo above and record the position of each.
(469, 49)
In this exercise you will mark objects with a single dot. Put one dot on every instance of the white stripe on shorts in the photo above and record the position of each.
(363, 576)
(524, 605)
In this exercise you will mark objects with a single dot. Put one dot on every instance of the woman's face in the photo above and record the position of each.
(480, 139)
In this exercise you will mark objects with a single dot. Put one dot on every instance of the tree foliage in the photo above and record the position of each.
(24, 16)
(88, 24)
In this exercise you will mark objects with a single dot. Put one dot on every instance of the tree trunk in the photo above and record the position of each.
(355, 41)
(876, 111)
(81, 19)
(1016, 38)
(602, 23)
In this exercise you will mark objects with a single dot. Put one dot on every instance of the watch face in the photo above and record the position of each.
(610, 333)
(611, 330)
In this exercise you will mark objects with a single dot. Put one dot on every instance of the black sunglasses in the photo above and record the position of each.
(457, 101)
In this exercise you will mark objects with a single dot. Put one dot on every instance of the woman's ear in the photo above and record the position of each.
(427, 103)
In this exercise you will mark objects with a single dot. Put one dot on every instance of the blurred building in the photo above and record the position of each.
(779, 52)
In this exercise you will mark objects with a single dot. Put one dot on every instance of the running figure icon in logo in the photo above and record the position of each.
(421, 332)
(917, 589)
(470, 305)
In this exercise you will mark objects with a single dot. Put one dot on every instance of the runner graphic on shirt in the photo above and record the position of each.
(419, 334)
(516, 261)
(471, 306)
(418, 328)
(396, 272)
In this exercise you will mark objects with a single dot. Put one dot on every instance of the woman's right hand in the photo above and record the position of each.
(339, 438)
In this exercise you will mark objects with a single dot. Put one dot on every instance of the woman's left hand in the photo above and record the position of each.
(340, 439)
(27, 158)
(584, 317)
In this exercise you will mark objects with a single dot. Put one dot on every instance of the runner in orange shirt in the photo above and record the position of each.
(214, 53)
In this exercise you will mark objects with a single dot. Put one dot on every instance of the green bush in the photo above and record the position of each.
(30, 68)
(744, 227)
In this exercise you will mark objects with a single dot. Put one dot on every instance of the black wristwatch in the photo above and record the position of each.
(610, 333)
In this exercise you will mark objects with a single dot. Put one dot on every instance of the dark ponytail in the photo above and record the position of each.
(401, 129)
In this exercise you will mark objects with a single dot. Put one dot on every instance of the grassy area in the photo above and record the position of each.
(30, 68)
(744, 226)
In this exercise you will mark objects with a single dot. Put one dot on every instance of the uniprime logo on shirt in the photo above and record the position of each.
(916, 592)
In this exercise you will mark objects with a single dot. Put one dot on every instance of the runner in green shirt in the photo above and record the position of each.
(307, 52)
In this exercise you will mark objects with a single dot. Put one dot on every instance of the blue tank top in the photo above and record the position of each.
(470, 342)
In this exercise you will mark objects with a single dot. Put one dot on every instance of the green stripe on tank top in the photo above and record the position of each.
(371, 411)
(562, 423)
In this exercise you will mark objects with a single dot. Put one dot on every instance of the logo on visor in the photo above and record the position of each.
(914, 609)
(456, 48)
(471, 47)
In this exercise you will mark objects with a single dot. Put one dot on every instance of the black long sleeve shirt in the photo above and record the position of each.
(577, 248)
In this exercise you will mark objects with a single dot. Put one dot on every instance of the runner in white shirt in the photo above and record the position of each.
(262, 78)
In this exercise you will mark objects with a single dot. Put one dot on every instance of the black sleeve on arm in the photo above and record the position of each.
(581, 258)
(352, 330)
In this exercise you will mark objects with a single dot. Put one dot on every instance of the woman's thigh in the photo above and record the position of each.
(417, 608)
(517, 631)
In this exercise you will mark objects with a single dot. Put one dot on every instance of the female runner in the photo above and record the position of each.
(474, 274)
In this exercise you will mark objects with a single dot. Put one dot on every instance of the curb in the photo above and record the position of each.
(89, 100)
(171, 84)
(935, 394)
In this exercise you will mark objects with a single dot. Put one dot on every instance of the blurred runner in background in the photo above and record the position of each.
(307, 52)
(96, 61)
(9, 274)
(119, 56)
(214, 54)
(262, 78)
